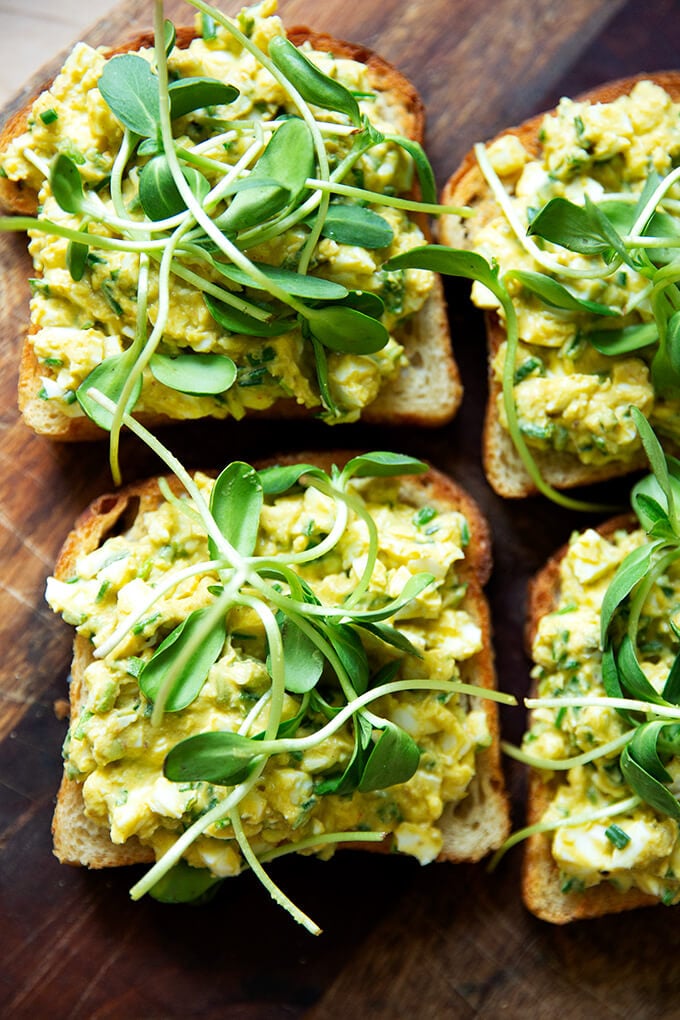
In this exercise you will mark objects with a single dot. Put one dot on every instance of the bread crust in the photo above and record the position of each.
(467, 186)
(541, 884)
(471, 829)
(426, 394)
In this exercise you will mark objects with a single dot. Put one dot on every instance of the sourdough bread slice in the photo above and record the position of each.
(426, 392)
(541, 882)
(467, 186)
(470, 829)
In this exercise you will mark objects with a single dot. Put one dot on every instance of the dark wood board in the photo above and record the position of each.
(399, 941)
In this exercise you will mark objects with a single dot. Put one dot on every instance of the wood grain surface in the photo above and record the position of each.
(399, 941)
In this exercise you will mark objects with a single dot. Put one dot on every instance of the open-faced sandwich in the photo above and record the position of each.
(279, 660)
(578, 212)
(209, 212)
(604, 727)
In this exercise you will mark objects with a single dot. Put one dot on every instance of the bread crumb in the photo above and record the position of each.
(62, 709)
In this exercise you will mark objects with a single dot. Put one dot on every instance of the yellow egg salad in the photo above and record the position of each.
(117, 752)
(569, 395)
(87, 300)
(628, 844)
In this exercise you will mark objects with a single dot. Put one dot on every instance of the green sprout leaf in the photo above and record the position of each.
(356, 225)
(584, 229)
(190, 679)
(109, 378)
(633, 569)
(314, 86)
(351, 653)
(647, 787)
(234, 321)
(428, 185)
(235, 503)
(344, 329)
(67, 185)
(189, 94)
(184, 884)
(382, 464)
(280, 478)
(196, 374)
(287, 159)
(76, 258)
(348, 780)
(366, 302)
(391, 636)
(169, 37)
(130, 90)
(394, 759)
(410, 591)
(555, 295)
(623, 341)
(297, 284)
(632, 675)
(643, 748)
(303, 662)
(218, 757)
(158, 192)
(449, 261)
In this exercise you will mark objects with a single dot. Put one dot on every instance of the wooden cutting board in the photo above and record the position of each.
(399, 941)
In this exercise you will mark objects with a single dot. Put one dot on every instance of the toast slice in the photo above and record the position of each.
(426, 389)
(467, 186)
(470, 827)
(544, 889)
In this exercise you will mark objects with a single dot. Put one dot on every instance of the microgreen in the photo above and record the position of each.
(288, 160)
(353, 224)
(235, 504)
(158, 193)
(130, 90)
(196, 374)
(110, 378)
(189, 682)
(314, 86)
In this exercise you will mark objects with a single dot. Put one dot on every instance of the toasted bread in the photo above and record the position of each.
(470, 828)
(467, 186)
(427, 390)
(542, 887)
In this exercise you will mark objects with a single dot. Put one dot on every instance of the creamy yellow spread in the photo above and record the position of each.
(570, 397)
(78, 324)
(115, 752)
(567, 654)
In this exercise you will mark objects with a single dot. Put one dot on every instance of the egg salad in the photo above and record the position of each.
(625, 842)
(117, 753)
(87, 302)
(570, 396)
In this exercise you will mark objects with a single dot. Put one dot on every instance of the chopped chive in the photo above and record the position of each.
(617, 836)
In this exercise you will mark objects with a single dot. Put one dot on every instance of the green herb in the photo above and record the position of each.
(352, 224)
(424, 515)
(197, 374)
(314, 86)
(49, 116)
(616, 835)
(180, 665)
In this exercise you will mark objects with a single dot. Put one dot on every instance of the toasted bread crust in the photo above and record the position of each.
(541, 885)
(467, 186)
(426, 394)
(471, 829)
